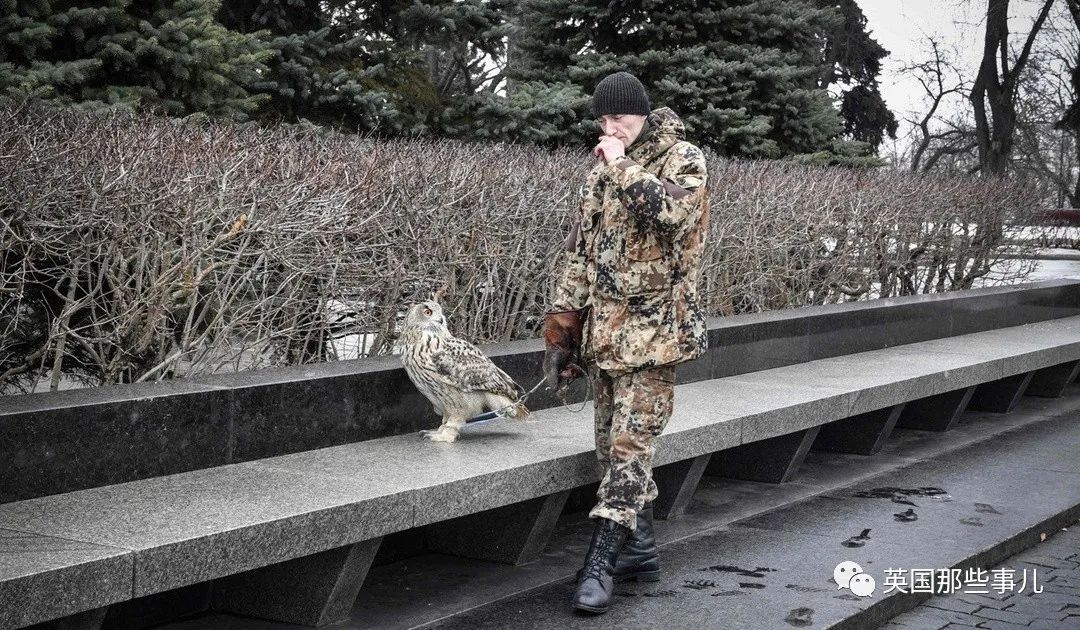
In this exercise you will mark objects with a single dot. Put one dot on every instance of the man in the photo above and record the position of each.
(629, 294)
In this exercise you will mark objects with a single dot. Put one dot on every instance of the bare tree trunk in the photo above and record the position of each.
(1074, 196)
(995, 86)
(1071, 120)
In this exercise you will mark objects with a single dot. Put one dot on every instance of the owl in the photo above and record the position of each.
(458, 379)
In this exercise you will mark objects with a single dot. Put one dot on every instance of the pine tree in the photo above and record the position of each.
(851, 57)
(743, 74)
(56, 49)
(172, 57)
(432, 56)
(186, 61)
(533, 112)
(319, 72)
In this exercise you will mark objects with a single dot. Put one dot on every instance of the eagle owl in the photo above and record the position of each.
(458, 379)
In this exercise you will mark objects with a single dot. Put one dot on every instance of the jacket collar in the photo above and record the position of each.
(663, 128)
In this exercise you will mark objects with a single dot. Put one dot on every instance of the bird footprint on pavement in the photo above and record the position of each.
(907, 516)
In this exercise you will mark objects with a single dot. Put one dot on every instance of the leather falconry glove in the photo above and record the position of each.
(562, 340)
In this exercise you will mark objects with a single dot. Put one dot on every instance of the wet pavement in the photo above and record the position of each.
(758, 555)
(776, 569)
(1039, 588)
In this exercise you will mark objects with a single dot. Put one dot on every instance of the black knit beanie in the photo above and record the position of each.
(620, 93)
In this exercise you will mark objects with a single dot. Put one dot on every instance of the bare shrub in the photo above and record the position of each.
(786, 235)
(140, 248)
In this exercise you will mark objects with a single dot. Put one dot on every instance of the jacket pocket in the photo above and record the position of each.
(646, 269)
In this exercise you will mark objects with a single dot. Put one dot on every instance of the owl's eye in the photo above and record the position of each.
(427, 311)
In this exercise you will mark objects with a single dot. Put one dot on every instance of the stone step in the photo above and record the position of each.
(754, 554)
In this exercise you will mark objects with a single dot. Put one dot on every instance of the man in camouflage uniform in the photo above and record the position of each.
(630, 282)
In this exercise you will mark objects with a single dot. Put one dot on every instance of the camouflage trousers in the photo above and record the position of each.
(631, 409)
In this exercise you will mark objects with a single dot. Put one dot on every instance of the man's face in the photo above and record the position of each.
(625, 127)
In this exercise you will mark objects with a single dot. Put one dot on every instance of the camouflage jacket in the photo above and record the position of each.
(634, 252)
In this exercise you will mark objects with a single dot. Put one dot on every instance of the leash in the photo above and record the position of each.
(584, 401)
(501, 412)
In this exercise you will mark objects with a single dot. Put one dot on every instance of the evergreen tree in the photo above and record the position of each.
(319, 71)
(186, 61)
(849, 153)
(172, 57)
(55, 49)
(532, 112)
(433, 55)
(743, 74)
(852, 58)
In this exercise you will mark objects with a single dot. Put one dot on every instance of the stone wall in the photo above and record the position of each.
(63, 441)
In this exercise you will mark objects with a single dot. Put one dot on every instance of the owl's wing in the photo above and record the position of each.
(472, 371)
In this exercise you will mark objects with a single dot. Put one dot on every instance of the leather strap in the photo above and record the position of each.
(676, 191)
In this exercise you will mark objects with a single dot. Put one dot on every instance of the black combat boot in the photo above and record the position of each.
(639, 559)
(595, 583)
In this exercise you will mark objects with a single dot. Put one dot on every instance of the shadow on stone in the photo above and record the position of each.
(313, 590)
(864, 434)
(1050, 382)
(1000, 396)
(935, 413)
(512, 534)
(676, 484)
(774, 460)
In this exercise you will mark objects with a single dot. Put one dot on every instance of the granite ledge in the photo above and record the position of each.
(243, 516)
(35, 568)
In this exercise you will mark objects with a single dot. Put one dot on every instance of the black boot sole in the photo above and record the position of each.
(591, 609)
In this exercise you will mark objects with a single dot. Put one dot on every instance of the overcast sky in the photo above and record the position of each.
(901, 26)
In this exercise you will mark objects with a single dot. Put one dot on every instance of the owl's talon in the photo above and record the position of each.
(441, 436)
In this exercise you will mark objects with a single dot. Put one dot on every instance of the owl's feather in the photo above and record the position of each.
(471, 370)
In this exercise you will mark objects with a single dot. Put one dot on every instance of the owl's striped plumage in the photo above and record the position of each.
(458, 379)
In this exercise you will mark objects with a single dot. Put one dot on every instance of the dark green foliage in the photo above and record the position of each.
(432, 56)
(534, 112)
(748, 77)
(56, 49)
(851, 57)
(866, 117)
(847, 153)
(173, 57)
(318, 71)
(743, 74)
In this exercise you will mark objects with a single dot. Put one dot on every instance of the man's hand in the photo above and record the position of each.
(609, 149)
